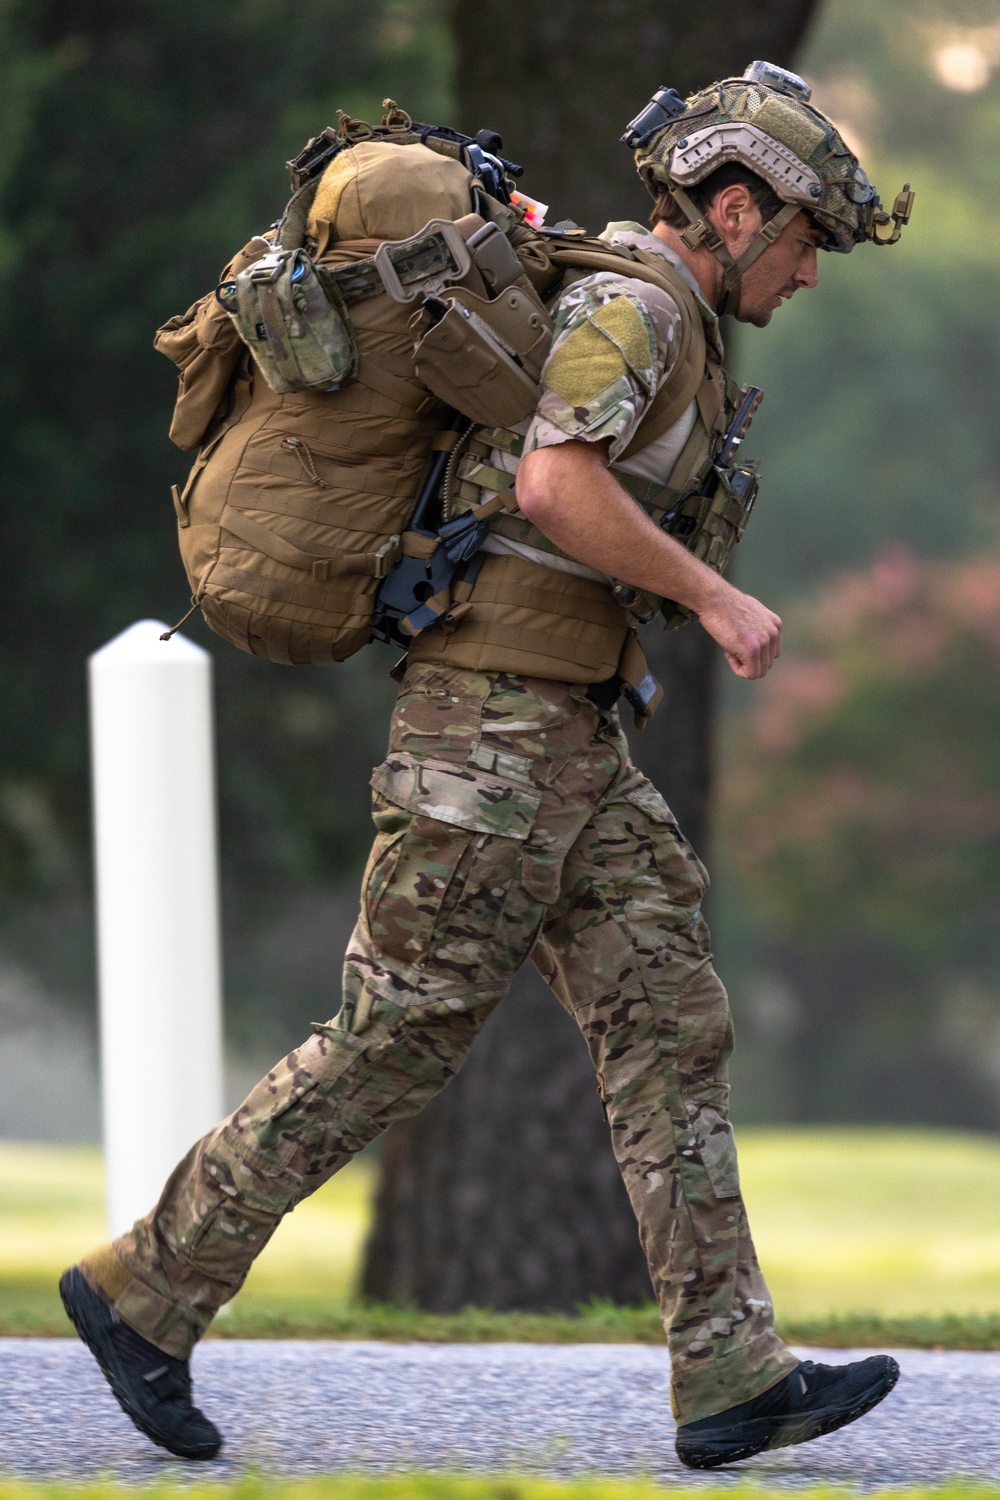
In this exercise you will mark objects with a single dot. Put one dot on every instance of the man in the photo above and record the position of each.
(511, 822)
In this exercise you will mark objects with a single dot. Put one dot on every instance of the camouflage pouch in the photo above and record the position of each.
(296, 329)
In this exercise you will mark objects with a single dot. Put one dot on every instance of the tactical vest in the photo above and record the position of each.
(555, 619)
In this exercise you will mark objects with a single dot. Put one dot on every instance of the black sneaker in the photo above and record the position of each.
(151, 1387)
(812, 1400)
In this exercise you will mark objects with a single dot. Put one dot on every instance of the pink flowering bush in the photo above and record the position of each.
(862, 792)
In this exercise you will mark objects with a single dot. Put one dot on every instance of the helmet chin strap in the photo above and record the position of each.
(701, 232)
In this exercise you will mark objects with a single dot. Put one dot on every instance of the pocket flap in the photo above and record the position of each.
(454, 794)
(648, 800)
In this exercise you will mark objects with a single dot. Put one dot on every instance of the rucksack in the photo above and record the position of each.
(334, 375)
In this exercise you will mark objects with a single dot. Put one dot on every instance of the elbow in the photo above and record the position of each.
(549, 480)
(535, 487)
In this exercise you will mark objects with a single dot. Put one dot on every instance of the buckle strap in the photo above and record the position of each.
(404, 393)
(399, 264)
(416, 544)
(701, 232)
(766, 235)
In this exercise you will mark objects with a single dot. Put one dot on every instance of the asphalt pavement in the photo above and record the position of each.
(319, 1407)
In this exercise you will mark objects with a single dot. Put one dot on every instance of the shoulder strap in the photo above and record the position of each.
(590, 255)
(689, 372)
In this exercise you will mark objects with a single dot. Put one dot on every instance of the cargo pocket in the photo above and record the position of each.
(714, 1142)
(408, 877)
(704, 1046)
(670, 861)
(449, 848)
(223, 1237)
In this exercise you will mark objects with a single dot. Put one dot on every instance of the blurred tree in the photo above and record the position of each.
(863, 818)
(878, 423)
(141, 142)
(505, 1193)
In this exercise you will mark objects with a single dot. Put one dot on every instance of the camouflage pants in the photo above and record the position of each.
(510, 822)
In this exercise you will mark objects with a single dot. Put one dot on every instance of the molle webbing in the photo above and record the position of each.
(532, 620)
(535, 619)
(335, 604)
(319, 564)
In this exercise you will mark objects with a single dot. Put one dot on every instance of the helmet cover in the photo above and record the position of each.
(765, 121)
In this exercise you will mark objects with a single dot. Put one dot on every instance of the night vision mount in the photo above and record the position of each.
(665, 105)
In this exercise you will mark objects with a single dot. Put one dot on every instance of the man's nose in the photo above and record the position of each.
(807, 275)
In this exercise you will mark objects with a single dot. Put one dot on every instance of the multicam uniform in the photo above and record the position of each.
(510, 823)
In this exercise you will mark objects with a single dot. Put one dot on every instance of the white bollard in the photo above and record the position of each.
(157, 908)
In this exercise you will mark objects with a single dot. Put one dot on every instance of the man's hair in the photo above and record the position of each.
(667, 211)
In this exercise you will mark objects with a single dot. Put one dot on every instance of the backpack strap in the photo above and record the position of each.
(291, 233)
(689, 372)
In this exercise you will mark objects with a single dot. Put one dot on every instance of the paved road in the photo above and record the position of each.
(310, 1408)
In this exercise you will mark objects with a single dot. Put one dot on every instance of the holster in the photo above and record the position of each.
(483, 357)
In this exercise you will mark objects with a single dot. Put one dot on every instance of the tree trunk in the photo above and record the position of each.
(561, 80)
(504, 1193)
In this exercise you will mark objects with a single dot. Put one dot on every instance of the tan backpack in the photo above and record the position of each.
(301, 500)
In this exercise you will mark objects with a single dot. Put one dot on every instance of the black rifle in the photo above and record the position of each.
(737, 429)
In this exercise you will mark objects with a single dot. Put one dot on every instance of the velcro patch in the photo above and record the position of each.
(621, 321)
(582, 365)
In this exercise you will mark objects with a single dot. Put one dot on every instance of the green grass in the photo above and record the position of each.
(867, 1237)
(903, 1222)
(452, 1487)
(28, 1310)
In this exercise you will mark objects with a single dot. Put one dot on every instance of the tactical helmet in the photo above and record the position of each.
(764, 121)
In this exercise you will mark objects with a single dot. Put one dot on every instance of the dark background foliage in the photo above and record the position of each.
(141, 142)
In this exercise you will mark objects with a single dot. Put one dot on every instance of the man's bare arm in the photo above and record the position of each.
(569, 493)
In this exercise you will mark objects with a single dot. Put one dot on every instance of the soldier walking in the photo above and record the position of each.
(511, 823)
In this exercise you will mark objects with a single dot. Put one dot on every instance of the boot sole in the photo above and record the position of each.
(93, 1321)
(762, 1434)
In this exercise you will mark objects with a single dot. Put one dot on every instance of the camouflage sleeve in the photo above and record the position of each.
(616, 340)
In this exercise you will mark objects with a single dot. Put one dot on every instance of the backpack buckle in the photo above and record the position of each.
(390, 251)
(387, 555)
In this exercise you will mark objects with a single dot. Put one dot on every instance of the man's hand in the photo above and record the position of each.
(748, 632)
(569, 493)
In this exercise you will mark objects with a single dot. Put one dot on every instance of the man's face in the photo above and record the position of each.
(784, 267)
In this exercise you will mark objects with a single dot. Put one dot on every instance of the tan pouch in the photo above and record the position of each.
(207, 350)
(484, 357)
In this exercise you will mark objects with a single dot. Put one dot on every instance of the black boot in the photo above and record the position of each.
(812, 1400)
(151, 1387)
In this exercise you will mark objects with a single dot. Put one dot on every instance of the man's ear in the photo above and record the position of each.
(733, 212)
